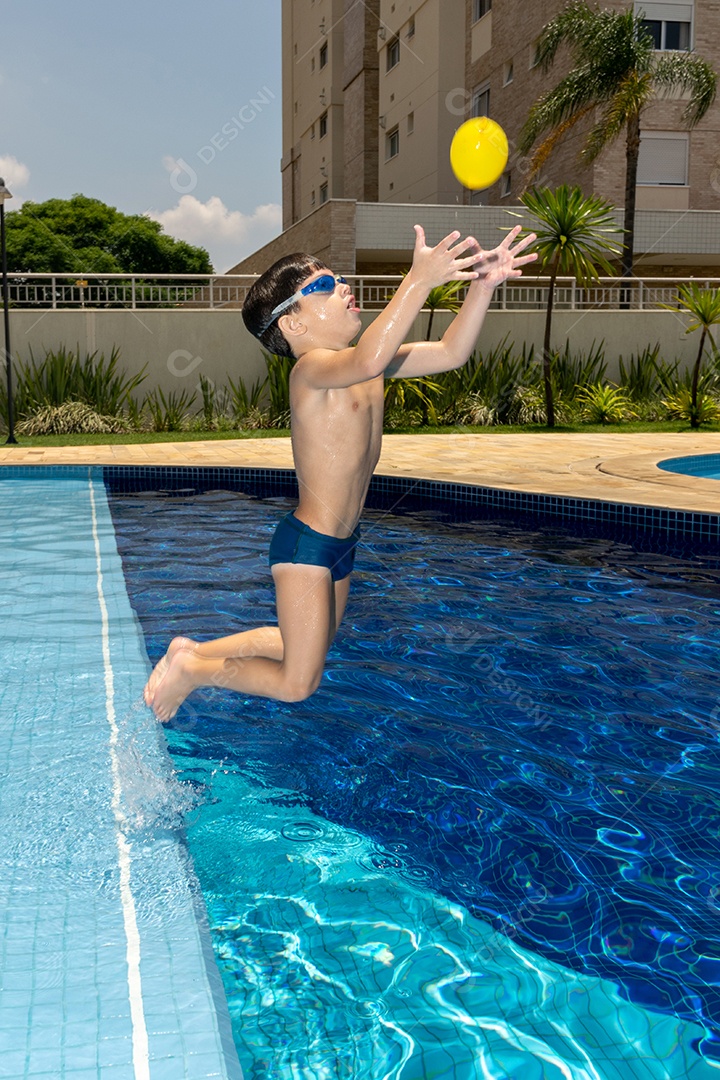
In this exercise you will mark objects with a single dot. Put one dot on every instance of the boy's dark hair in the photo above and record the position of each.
(278, 283)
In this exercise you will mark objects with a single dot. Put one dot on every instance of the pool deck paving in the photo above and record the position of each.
(617, 468)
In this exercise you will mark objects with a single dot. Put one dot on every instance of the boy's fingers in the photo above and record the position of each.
(526, 240)
(419, 236)
(469, 260)
(449, 240)
(511, 236)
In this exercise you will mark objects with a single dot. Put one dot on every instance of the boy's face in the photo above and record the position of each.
(332, 318)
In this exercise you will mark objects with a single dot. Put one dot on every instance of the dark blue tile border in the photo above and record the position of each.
(396, 492)
(388, 492)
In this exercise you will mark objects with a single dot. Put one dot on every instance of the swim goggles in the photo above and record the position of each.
(324, 284)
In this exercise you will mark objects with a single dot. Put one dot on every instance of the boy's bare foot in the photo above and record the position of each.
(160, 670)
(179, 681)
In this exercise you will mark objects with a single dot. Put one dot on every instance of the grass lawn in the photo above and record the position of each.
(631, 427)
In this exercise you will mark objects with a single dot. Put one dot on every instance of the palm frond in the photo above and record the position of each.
(702, 305)
(682, 72)
(609, 48)
(546, 147)
(574, 231)
(576, 94)
(570, 26)
(628, 101)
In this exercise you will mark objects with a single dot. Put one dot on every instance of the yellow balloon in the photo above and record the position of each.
(479, 152)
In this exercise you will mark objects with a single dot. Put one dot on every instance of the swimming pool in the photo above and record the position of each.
(707, 465)
(487, 847)
(466, 770)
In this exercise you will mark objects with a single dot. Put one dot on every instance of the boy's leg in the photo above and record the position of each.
(307, 621)
(262, 641)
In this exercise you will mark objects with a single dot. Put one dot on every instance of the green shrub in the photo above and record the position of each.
(244, 402)
(63, 376)
(571, 370)
(641, 379)
(604, 404)
(70, 418)
(168, 413)
(679, 406)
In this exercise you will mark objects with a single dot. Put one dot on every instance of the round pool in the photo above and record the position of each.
(706, 465)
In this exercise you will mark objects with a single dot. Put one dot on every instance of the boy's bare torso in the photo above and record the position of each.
(336, 440)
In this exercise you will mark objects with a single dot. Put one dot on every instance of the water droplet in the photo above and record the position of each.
(303, 831)
(368, 1008)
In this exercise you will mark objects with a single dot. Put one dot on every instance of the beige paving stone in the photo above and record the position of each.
(614, 467)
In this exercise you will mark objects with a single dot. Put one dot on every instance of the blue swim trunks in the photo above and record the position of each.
(295, 542)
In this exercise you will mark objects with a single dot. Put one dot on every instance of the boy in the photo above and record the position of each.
(298, 308)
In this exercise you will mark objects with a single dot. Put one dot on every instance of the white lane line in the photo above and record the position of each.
(141, 1062)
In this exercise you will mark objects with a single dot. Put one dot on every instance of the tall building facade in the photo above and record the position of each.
(678, 169)
(330, 103)
(373, 91)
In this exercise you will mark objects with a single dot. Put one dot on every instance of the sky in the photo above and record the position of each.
(167, 108)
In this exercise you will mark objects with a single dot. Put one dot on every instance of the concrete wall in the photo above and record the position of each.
(179, 346)
(176, 346)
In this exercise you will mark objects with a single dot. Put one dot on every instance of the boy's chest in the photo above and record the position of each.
(363, 400)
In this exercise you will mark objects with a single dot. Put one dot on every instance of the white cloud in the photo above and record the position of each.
(229, 235)
(16, 176)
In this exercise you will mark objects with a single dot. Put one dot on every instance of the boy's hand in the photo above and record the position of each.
(505, 261)
(438, 265)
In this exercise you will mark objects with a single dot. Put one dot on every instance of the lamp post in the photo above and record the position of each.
(5, 194)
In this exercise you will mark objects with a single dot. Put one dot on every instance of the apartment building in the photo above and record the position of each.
(678, 169)
(373, 91)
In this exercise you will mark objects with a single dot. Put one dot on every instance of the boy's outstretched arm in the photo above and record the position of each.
(457, 343)
(378, 345)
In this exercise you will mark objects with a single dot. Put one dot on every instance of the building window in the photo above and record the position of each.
(668, 34)
(312, 132)
(324, 193)
(411, 28)
(312, 64)
(323, 125)
(410, 123)
(392, 144)
(506, 185)
(323, 55)
(312, 197)
(480, 8)
(393, 53)
(535, 54)
(508, 73)
(669, 24)
(663, 158)
(481, 101)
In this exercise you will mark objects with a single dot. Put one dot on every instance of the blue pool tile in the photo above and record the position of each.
(62, 932)
(114, 1051)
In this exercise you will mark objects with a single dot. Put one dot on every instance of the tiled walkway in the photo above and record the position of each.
(615, 467)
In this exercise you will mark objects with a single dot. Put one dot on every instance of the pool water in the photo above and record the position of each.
(488, 845)
(705, 465)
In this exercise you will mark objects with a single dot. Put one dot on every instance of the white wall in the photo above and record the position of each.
(179, 346)
(176, 346)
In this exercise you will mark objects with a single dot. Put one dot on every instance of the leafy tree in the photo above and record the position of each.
(618, 72)
(573, 238)
(703, 306)
(85, 236)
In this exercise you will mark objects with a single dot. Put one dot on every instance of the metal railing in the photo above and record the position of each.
(372, 292)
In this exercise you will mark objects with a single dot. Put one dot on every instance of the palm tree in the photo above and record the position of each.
(573, 238)
(443, 298)
(618, 72)
(703, 306)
